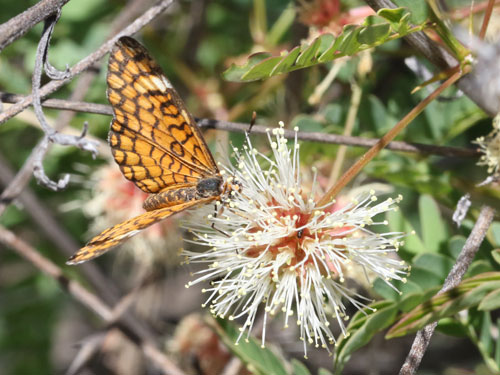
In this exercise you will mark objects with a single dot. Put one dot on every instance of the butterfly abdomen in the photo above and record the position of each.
(157, 145)
(169, 198)
(206, 187)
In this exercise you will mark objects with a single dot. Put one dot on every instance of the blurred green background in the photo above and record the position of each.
(194, 42)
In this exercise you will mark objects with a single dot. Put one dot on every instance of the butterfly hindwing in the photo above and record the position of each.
(121, 232)
(156, 143)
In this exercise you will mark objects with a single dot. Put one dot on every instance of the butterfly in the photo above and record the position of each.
(157, 145)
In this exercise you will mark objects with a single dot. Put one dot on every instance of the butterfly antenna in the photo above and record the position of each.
(252, 123)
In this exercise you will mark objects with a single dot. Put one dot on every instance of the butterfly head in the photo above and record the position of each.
(230, 187)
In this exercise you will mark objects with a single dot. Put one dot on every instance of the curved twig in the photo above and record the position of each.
(51, 135)
(88, 61)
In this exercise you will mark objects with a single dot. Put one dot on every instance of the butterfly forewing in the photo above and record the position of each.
(156, 143)
(153, 137)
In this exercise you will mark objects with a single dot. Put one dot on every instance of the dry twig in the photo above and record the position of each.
(90, 345)
(259, 129)
(89, 300)
(88, 61)
(472, 84)
(51, 135)
(463, 262)
(48, 225)
(17, 26)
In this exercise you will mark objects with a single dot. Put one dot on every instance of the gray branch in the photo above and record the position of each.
(51, 135)
(463, 262)
(17, 26)
(39, 172)
(89, 300)
(472, 84)
(102, 109)
(88, 61)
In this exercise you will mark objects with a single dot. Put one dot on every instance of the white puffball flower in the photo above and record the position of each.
(271, 245)
(489, 146)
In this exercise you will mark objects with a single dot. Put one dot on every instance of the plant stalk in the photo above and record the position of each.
(401, 125)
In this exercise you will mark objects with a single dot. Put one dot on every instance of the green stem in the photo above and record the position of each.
(372, 152)
(445, 34)
(486, 19)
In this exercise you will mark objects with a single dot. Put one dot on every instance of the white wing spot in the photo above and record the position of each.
(159, 83)
(167, 82)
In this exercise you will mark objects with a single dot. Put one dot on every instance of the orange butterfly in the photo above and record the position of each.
(156, 143)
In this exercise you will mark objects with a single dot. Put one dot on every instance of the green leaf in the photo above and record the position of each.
(331, 52)
(392, 15)
(478, 267)
(403, 26)
(469, 293)
(350, 44)
(234, 73)
(285, 64)
(424, 278)
(438, 264)
(263, 68)
(384, 290)
(260, 361)
(485, 332)
(364, 325)
(309, 53)
(410, 300)
(378, 115)
(496, 255)
(434, 231)
(494, 233)
(326, 42)
(418, 9)
(491, 301)
(375, 30)
(497, 349)
(299, 368)
(455, 245)
(373, 33)
(451, 327)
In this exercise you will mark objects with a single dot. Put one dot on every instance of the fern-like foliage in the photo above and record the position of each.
(388, 24)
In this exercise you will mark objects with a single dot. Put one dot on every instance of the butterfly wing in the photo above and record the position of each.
(154, 139)
(121, 232)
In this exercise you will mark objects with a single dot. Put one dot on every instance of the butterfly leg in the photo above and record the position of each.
(215, 215)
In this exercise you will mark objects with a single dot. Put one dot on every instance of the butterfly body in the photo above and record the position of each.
(205, 188)
(157, 145)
